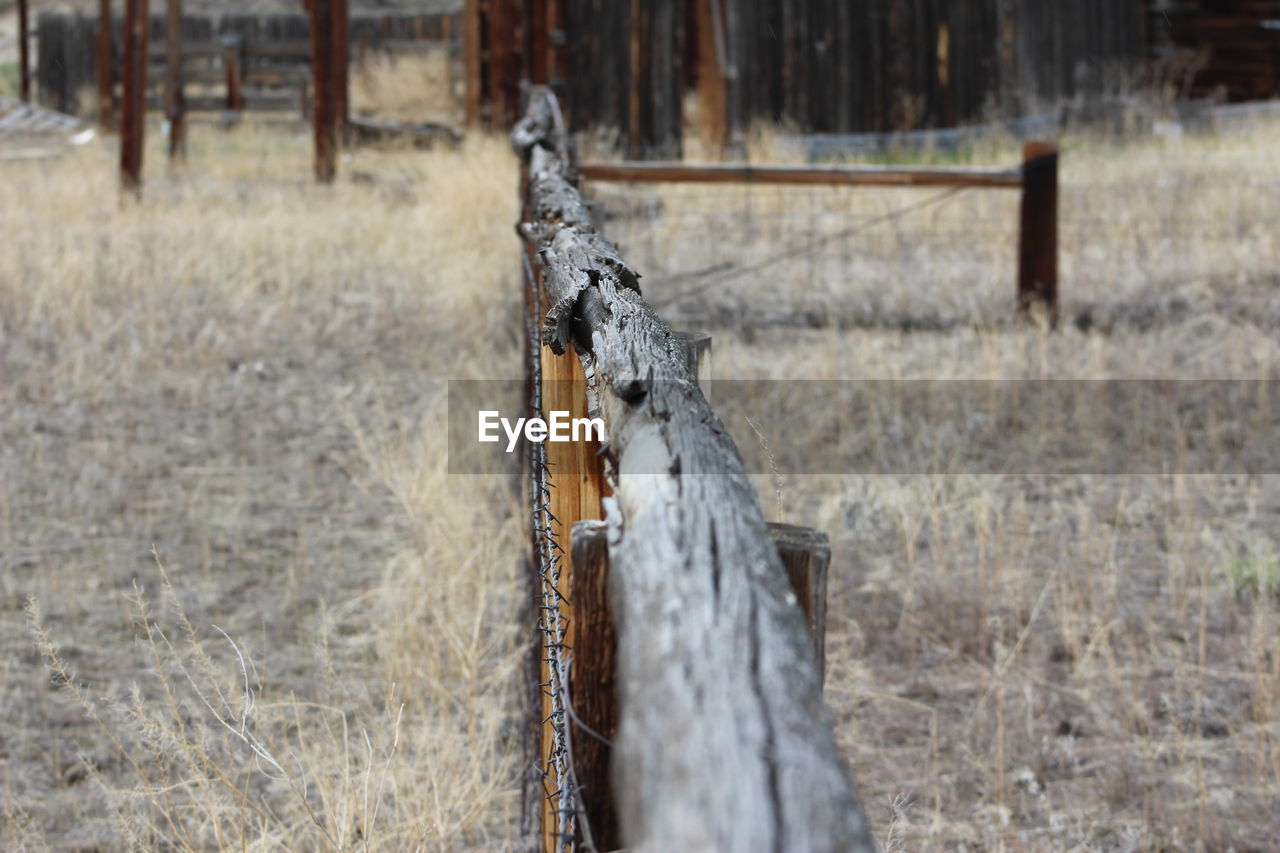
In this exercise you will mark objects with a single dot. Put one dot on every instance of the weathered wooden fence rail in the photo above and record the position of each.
(1037, 179)
(722, 740)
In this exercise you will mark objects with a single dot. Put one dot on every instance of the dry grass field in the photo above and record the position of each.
(1017, 662)
(237, 380)
(244, 606)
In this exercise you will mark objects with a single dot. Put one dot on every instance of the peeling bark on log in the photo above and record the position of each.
(723, 742)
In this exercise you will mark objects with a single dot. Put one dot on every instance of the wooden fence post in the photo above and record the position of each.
(697, 354)
(805, 554)
(341, 13)
(713, 119)
(471, 47)
(232, 65)
(504, 34)
(577, 477)
(175, 108)
(1038, 237)
(24, 54)
(133, 124)
(575, 473)
(103, 68)
(592, 681)
(322, 115)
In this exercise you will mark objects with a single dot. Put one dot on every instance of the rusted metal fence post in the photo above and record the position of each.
(133, 120)
(233, 68)
(24, 54)
(103, 68)
(341, 13)
(174, 102)
(322, 106)
(1038, 237)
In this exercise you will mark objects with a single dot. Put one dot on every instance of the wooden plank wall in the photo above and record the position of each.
(66, 48)
(598, 84)
(844, 66)
(870, 66)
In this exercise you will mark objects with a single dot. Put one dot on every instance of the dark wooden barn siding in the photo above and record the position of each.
(872, 65)
(1233, 45)
(626, 70)
(847, 65)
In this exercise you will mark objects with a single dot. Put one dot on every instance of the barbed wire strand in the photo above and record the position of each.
(556, 767)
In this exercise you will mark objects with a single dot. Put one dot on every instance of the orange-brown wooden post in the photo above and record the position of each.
(322, 115)
(577, 480)
(24, 54)
(1038, 237)
(576, 476)
(471, 60)
(341, 13)
(174, 102)
(103, 70)
(132, 124)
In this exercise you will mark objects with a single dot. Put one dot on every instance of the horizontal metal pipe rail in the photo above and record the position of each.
(734, 173)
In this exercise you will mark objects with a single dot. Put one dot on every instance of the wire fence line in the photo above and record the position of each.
(1152, 240)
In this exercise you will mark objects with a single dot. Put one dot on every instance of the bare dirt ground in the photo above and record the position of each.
(241, 380)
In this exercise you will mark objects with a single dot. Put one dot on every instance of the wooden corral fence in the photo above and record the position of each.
(1037, 179)
(678, 691)
(254, 61)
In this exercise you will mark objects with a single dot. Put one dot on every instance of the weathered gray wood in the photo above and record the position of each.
(697, 355)
(723, 742)
(804, 552)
